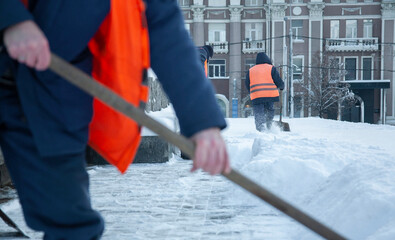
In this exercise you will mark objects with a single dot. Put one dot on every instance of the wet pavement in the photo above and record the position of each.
(166, 201)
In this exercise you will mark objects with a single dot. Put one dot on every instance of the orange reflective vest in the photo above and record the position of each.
(121, 59)
(120, 51)
(261, 82)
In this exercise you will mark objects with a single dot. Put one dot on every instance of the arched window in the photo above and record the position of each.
(223, 103)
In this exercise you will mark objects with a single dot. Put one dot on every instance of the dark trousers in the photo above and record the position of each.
(263, 113)
(53, 191)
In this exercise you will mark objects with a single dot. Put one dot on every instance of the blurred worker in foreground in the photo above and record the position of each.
(44, 120)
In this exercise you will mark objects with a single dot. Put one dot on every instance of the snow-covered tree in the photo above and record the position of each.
(324, 85)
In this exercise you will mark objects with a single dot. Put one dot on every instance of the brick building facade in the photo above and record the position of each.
(358, 34)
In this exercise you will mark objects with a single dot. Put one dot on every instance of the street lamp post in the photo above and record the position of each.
(234, 100)
(290, 75)
(290, 72)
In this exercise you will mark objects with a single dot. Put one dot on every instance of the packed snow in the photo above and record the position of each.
(340, 173)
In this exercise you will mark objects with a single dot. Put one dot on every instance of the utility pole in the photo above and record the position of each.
(234, 100)
(290, 76)
(270, 30)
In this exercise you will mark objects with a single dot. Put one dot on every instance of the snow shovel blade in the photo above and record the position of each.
(284, 126)
(9, 222)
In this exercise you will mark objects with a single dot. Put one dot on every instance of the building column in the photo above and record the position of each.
(388, 60)
(235, 58)
(278, 45)
(198, 22)
(315, 37)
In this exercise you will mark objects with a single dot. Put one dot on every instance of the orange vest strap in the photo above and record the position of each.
(205, 68)
(121, 59)
(261, 82)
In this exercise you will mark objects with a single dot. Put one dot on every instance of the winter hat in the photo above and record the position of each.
(209, 50)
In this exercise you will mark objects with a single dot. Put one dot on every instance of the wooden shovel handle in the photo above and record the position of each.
(96, 89)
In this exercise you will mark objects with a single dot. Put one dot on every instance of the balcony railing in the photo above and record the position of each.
(253, 46)
(352, 44)
(184, 3)
(219, 47)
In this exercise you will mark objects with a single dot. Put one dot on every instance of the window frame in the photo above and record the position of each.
(294, 70)
(219, 28)
(363, 68)
(356, 67)
(253, 3)
(337, 28)
(297, 30)
(217, 3)
(353, 28)
(338, 59)
(212, 69)
(258, 29)
(368, 28)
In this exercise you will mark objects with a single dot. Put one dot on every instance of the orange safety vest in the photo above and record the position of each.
(261, 82)
(121, 58)
(120, 51)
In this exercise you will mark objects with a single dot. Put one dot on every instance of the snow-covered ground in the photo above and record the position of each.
(341, 173)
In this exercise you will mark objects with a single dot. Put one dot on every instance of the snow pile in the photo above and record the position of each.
(340, 173)
(166, 117)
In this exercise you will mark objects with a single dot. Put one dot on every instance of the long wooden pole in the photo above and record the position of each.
(11, 223)
(94, 88)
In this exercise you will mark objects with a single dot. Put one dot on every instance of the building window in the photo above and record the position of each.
(184, 3)
(251, 3)
(334, 28)
(351, 68)
(351, 28)
(217, 32)
(297, 1)
(334, 69)
(216, 68)
(335, 1)
(367, 68)
(351, 1)
(253, 31)
(217, 3)
(297, 68)
(367, 28)
(297, 27)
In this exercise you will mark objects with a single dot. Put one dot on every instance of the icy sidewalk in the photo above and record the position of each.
(166, 201)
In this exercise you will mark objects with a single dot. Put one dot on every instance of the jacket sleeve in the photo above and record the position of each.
(12, 12)
(68, 24)
(247, 81)
(277, 79)
(174, 60)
